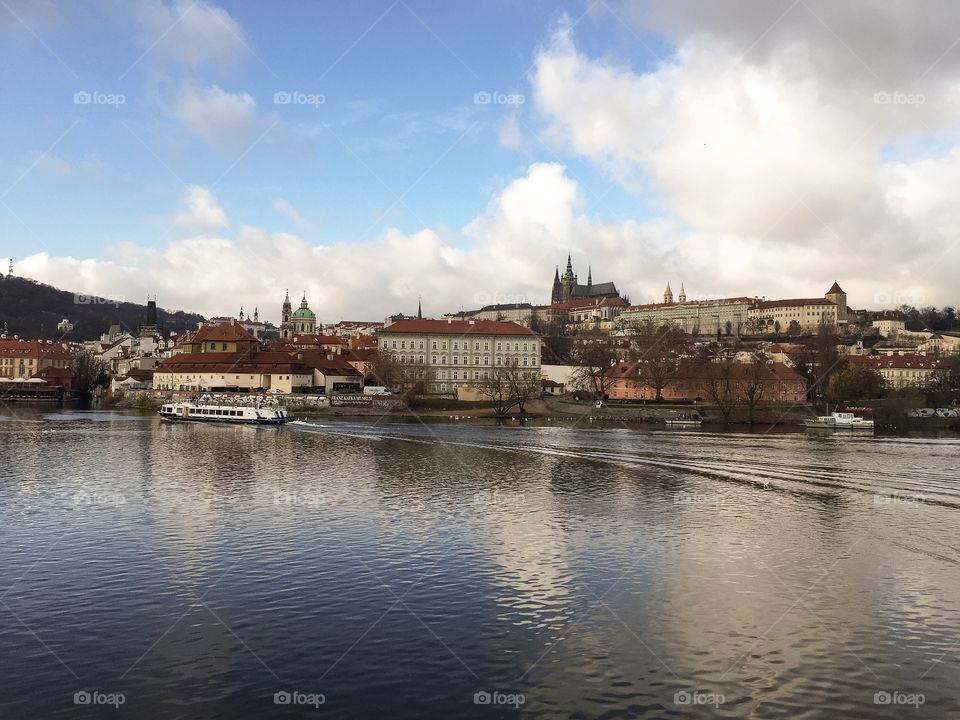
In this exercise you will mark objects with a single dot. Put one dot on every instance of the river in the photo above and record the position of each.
(407, 570)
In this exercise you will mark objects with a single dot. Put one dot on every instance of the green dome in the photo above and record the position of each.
(303, 313)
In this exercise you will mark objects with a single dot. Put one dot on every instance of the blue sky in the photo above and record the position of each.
(741, 148)
(398, 82)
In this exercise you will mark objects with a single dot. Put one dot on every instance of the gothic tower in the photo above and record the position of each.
(556, 292)
(839, 298)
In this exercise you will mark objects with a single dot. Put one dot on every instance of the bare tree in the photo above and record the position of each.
(594, 358)
(497, 388)
(754, 379)
(387, 369)
(524, 386)
(659, 350)
(721, 378)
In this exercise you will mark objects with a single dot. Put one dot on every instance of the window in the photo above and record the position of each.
(434, 344)
(433, 359)
(455, 375)
(498, 346)
(394, 344)
(455, 346)
(421, 344)
(443, 345)
(455, 360)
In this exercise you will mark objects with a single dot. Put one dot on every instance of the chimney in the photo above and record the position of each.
(449, 321)
(330, 357)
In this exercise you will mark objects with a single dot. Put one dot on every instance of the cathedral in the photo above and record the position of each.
(302, 321)
(566, 288)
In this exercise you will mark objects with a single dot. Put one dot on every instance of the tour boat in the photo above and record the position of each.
(840, 421)
(242, 414)
(684, 421)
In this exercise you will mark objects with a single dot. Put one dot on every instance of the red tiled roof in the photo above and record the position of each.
(900, 362)
(224, 332)
(598, 302)
(457, 327)
(33, 349)
(317, 340)
(324, 361)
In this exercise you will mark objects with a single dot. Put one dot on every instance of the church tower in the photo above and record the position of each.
(682, 297)
(568, 282)
(286, 321)
(668, 295)
(556, 292)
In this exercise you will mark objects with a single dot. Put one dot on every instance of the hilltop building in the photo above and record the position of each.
(566, 287)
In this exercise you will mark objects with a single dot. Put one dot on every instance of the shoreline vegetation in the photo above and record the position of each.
(787, 415)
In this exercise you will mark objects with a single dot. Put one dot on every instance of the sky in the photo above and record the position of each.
(367, 154)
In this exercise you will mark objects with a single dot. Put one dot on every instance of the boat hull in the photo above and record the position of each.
(225, 421)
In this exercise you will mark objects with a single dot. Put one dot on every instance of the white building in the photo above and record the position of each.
(454, 356)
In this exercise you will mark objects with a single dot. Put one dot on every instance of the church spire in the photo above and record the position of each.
(683, 294)
(569, 265)
(556, 273)
(419, 307)
(589, 275)
(668, 294)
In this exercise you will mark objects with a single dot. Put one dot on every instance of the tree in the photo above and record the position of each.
(386, 369)
(754, 378)
(497, 388)
(659, 350)
(594, 358)
(90, 374)
(524, 386)
(721, 377)
(853, 383)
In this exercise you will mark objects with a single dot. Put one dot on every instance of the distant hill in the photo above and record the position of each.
(33, 310)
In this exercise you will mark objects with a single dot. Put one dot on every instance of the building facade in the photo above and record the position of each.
(25, 358)
(302, 321)
(454, 356)
(768, 316)
(698, 317)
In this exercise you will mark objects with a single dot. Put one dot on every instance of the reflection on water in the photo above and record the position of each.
(399, 569)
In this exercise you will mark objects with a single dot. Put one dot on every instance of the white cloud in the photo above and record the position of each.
(227, 121)
(190, 33)
(776, 160)
(286, 209)
(88, 168)
(202, 212)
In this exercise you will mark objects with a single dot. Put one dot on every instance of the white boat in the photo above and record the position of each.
(684, 421)
(240, 414)
(840, 421)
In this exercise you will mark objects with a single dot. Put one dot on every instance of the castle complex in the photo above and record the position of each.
(566, 288)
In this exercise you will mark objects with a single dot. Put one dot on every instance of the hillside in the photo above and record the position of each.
(33, 310)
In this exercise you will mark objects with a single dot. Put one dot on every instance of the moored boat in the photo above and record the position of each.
(683, 420)
(238, 414)
(839, 421)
